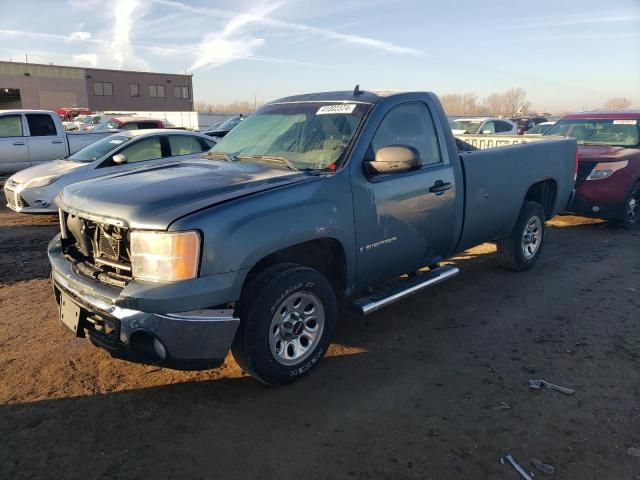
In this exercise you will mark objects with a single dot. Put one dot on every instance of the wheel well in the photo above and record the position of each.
(325, 255)
(544, 193)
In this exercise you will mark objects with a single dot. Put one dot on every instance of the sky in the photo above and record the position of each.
(567, 54)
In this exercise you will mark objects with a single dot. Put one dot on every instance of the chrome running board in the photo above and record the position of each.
(403, 289)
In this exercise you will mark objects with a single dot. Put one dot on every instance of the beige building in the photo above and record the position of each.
(49, 87)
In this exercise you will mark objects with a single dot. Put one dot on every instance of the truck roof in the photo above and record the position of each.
(608, 114)
(365, 96)
(22, 110)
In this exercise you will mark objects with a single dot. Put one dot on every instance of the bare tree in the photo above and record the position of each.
(515, 100)
(617, 103)
(495, 104)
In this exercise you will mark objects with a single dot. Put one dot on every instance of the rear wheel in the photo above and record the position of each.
(631, 215)
(521, 250)
(287, 316)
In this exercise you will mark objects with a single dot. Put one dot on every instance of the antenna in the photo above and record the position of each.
(357, 91)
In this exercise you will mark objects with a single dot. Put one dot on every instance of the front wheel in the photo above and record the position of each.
(631, 210)
(287, 316)
(521, 250)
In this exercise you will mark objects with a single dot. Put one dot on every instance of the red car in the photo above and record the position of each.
(608, 181)
(130, 123)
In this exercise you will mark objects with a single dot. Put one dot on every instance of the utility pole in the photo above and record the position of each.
(255, 102)
(26, 58)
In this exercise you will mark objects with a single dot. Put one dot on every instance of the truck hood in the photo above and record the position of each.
(57, 167)
(155, 197)
(606, 153)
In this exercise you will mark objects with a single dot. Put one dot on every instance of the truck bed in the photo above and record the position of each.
(491, 207)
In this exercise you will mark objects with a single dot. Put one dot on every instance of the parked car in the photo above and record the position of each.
(67, 114)
(608, 181)
(484, 126)
(540, 128)
(129, 123)
(212, 128)
(527, 122)
(89, 122)
(312, 198)
(225, 127)
(33, 190)
(72, 125)
(30, 137)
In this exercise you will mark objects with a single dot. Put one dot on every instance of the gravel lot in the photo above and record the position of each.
(409, 392)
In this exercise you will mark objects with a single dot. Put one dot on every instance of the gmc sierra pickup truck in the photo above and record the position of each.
(351, 196)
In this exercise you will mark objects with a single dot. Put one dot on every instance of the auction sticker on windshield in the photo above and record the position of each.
(341, 108)
(625, 122)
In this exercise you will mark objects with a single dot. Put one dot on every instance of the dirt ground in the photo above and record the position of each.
(409, 392)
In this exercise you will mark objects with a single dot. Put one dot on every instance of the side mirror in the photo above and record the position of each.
(487, 132)
(119, 159)
(394, 159)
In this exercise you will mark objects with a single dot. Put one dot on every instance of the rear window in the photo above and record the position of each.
(41, 125)
(185, 145)
(588, 131)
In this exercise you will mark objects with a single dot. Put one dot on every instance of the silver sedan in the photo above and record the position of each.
(34, 189)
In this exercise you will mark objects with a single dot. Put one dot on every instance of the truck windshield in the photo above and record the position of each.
(469, 126)
(595, 131)
(305, 135)
(99, 149)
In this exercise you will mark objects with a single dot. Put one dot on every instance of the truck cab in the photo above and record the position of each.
(27, 135)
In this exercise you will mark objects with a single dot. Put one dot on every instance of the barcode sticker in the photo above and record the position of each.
(340, 108)
(625, 122)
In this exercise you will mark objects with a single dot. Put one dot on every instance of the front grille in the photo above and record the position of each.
(99, 251)
(584, 169)
(14, 199)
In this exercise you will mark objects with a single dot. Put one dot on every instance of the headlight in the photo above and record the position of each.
(606, 169)
(164, 256)
(41, 181)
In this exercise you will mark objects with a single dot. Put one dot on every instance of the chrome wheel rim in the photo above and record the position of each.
(531, 238)
(633, 206)
(296, 328)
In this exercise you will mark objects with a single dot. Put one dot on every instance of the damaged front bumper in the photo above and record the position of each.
(190, 340)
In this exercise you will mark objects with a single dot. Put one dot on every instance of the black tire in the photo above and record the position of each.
(630, 218)
(265, 295)
(511, 253)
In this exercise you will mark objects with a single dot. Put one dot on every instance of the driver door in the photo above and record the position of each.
(404, 221)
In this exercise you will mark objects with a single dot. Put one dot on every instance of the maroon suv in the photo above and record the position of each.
(608, 181)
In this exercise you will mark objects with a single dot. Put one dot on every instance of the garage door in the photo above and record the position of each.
(52, 100)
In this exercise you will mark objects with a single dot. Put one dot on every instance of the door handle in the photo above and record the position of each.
(56, 141)
(18, 143)
(440, 187)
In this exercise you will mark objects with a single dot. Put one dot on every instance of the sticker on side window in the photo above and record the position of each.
(115, 142)
(625, 122)
(340, 108)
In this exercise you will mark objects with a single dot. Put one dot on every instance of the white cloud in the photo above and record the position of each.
(220, 48)
(124, 11)
(299, 27)
(86, 59)
(79, 35)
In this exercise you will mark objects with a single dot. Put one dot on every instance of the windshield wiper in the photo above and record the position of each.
(219, 154)
(268, 158)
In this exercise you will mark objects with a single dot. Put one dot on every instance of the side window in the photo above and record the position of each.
(502, 127)
(41, 125)
(206, 144)
(184, 145)
(146, 149)
(410, 124)
(146, 125)
(129, 126)
(11, 126)
(96, 121)
(488, 127)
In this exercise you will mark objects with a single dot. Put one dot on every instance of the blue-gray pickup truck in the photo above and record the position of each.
(312, 201)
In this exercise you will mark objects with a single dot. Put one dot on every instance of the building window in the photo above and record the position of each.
(103, 89)
(134, 89)
(181, 92)
(156, 91)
